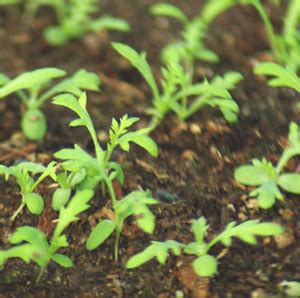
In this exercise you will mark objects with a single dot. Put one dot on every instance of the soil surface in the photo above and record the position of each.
(192, 176)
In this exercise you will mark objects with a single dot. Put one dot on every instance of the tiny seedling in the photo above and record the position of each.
(133, 204)
(66, 182)
(101, 169)
(267, 178)
(285, 46)
(34, 88)
(205, 265)
(76, 20)
(179, 94)
(37, 248)
(192, 46)
(32, 200)
(282, 77)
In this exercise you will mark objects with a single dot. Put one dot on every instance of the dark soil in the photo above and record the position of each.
(195, 164)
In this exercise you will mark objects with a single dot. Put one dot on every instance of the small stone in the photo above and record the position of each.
(284, 240)
(195, 129)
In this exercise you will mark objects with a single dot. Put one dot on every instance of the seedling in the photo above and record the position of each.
(133, 204)
(282, 77)
(66, 182)
(179, 94)
(191, 47)
(101, 169)
(37, 248)
(32, 200)
(205, 265)
(76, 20)
(34, 88)
(285, 46)
(267, 178)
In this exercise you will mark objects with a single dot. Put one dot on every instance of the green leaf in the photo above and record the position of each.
(199, 228)
(205, 266)
(156, 249)
(251, 175)
(169, 10)
(110, 23)
(139, 61)
(62, 260)
(283, 77)
(33, 79)
(3, 79)
(77, 205)
(290, 182)
(100, 233)
(34, 203)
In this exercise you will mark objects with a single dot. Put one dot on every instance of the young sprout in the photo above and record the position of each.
(267, 178)
(179, 94)
(34, 88)
(33, 243)
(100, 169)
(191, 47)
(77, 19)
(285, 46)
(205, 265)
(66, 182)
(32, 200)
(133, 204)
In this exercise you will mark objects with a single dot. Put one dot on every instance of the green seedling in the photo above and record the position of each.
(35, 87)
(205, 265)
(133, 204)
(282, 77)
(100, 169)
(66, 182)
(191, 47)
(179, 94)
(32, 200)
(36, 246)
(267, 178)
(285, 46)
(76, 20)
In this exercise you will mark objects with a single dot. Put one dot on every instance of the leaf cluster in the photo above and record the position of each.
(205, 265)
(267, 178)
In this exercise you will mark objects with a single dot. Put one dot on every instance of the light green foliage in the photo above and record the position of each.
(33, 244)
(179, 94)
(100, 169)
(268, 178)
(285, 46)
(191, 47)
(205, 265)
(33, 201)
(77, 20)
(35, 87)
(66, 182)
(281, 77)
(133, 204)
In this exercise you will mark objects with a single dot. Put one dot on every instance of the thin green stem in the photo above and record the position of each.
(41, 273)
(22, 205)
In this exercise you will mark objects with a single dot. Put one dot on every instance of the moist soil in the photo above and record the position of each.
(192, 177)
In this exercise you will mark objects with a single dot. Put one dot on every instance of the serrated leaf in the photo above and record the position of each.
(30, 80)
(100, 233)
(199, 228)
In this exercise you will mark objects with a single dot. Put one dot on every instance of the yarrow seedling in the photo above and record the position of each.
(179, 94)
(267, 178)
(32, 200)
(192, 46)
(36, 246)
(76, 20)
(34, 88)
(205, 265)
(101, 169)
